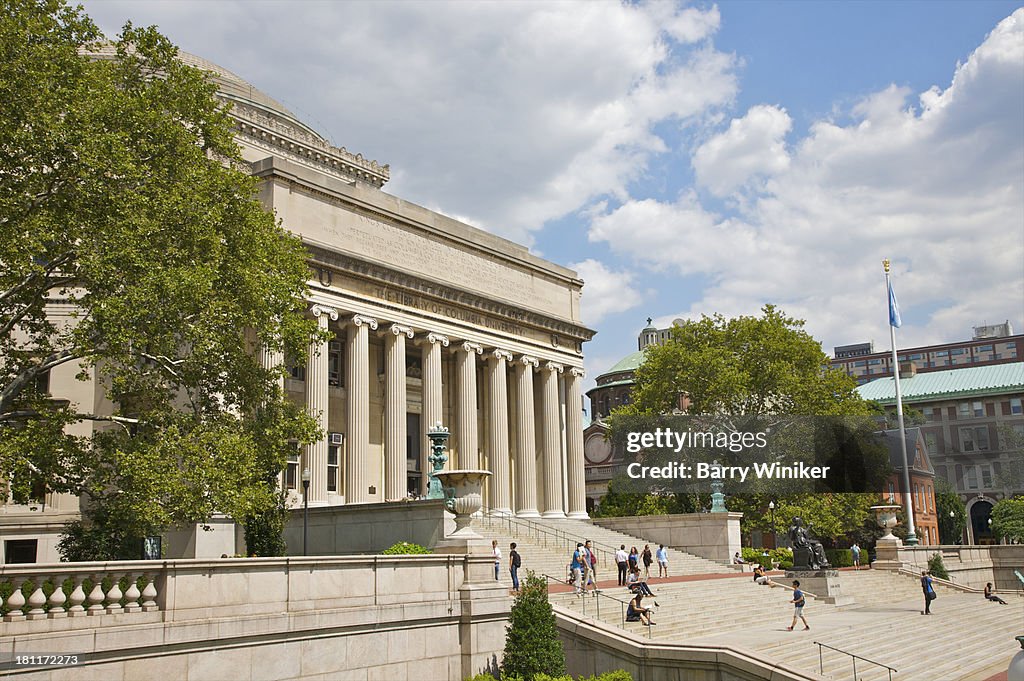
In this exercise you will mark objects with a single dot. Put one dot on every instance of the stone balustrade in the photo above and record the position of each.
(60, 590)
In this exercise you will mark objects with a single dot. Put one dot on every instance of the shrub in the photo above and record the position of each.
(936, 566)
(532, 645)
(839, 557)
(404, 548)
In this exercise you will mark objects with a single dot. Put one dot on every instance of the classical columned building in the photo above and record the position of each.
(429, 320)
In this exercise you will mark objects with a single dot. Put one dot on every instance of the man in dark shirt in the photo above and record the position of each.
(798, 606)
(514, 561)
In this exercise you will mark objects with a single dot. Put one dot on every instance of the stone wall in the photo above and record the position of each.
(389, 618)
(972, 565)
(715, 536)
(592, 647)
(368, 528)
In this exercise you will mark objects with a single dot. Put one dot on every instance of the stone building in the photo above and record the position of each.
(432, 320)
(973, 429)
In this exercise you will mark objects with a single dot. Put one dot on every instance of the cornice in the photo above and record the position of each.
(384, 275)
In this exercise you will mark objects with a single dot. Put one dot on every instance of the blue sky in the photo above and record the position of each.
(685, 159)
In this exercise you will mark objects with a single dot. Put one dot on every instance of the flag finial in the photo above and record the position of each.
(885, 265)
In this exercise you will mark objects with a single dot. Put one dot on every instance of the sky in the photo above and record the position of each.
(685, 159)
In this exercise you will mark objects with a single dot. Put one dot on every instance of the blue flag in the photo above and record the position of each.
(894, 309)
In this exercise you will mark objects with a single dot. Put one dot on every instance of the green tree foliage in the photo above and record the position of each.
(831, 517)
(532, 645)
(1008, 519)
(947, 501)
(743, 366)
(134, 252)
(937, 567)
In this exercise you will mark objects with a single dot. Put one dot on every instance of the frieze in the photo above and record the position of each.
(412, 291)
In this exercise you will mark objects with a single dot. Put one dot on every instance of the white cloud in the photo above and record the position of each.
(605, 292)
(939, 189)
(752, 146)
(510, 114)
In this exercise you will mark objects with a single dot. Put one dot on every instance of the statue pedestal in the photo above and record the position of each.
(887, 554)
(824, 584)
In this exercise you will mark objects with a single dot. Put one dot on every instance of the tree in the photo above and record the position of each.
(743, 366)
(1008, 519)
(532, 645)
(133, 251)
(947, 501)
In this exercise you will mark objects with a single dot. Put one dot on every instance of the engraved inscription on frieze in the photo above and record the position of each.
(444, 262)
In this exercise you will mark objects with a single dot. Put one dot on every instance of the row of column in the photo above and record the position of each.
(357, 473)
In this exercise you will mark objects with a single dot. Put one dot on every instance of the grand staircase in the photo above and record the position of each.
(965, 639)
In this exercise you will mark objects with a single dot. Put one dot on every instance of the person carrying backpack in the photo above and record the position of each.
(514, 563)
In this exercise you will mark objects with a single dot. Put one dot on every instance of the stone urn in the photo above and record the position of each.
(463, 497)
(885, 516)
(1016, 670)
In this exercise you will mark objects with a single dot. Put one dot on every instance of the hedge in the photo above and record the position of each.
(403, 548)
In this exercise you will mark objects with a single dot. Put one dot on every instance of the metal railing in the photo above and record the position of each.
(597, 596)
(549, 535)
(821, 660)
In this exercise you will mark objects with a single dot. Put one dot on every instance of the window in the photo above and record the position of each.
(1016, 407)
(334, 364)
(983, 348)
(873, 362)
(20, 550)
(931, 414)
(986, 477)
(974, 439)
(958, 351)
(930, 499)
(295, 370)
(892, 491)
(930, 442)
(965, 410)
(971, 477)
(291, 471)
(978, 409)
(332, 467)
(942, 353)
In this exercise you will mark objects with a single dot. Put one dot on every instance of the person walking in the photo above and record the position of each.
(514, 563)
(798, 606)
(648, 559)
(662, 556)
(634, 558)
(497, 558)
(591, 562)
(577, 569)
(855, 551)
(929, 592)
(622, 560)
(991, 596)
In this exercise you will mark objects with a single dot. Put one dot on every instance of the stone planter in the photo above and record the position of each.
(887, 547)
(463, 497)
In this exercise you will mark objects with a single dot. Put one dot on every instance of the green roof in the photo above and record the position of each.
(995, 379)
(627, 363)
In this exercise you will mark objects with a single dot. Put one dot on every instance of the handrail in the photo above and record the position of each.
(567, 540)
(821, 661)
(598, 595)
(915, 571)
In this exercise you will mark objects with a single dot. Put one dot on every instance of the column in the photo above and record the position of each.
(501, 487)
(395, 408)
(574, 444)
(272, 360)
(432, 406)
(357, 412)
(316, 405)
(526, 439)
(466, 438)
(552, 442)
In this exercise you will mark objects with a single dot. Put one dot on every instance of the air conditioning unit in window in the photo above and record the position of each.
(337, 438)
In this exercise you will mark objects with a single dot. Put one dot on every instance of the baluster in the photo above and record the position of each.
(57, 598)
(15, 602)
(77, 597)
(36, 601)
(132, 595)
(114, 595)
(96, 596)
(149, 595)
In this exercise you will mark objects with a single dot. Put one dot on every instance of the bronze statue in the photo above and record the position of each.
(808, 553)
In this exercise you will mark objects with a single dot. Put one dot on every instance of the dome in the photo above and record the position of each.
(628, 363)
(232, 88)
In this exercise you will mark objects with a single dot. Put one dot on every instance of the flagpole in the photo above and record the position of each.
(907, 495)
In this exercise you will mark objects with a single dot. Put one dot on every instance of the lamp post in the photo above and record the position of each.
(775, 538)
(305, 510)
